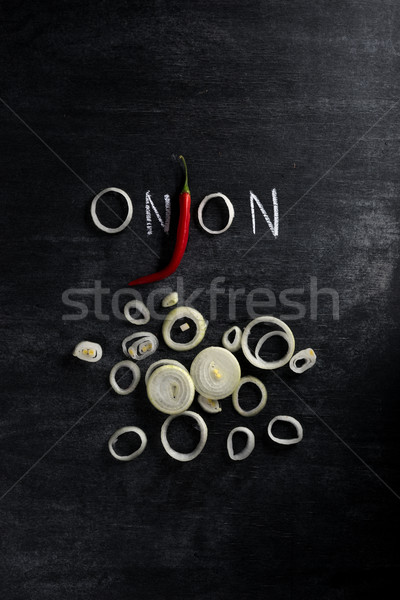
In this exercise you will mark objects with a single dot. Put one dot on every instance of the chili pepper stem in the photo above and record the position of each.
(186, 185)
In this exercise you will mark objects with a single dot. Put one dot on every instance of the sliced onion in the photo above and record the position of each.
(114, 439)
(215, 372)
(234, 345)
(161, 363)
(135, 372)
(146, 344)
(210, 406)
(247, 450)
(203, 437)
(170, 300)
(229, 205)
(261, 404)
(170, 389)
(180, 313)
(256, 360)
(266, 337)
(95, 218)
(308, 356)
(88, 351)
(142, 308)
(283, 441)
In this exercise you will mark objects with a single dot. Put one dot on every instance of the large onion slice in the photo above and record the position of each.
(215, 372)
(170, 389)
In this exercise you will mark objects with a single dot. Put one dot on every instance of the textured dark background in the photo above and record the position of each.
(256, 95)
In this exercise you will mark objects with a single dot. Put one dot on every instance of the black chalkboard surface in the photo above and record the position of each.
(300, 98)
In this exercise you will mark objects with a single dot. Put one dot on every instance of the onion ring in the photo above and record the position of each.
(261, 404)
(247, 450)
(286, 442)
(203, 437)
(259, 362)
(230, 209)
(114, 439)
(180, 313)
(142, 308)
(95, 218)
(136, 377)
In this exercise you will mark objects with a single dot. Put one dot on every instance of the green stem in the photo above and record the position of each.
(186, 185)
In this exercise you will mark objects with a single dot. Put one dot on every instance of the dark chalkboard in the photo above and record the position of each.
(260, 95)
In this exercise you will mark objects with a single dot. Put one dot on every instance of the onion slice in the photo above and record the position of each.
(283, 441)
(215, 372)
(260, 405)
(135, 372)
(210, 406)
(257, 361)
(114, 439)
(95, 218)
(308, 356)
(180, 313)
(170, 300)
(142, 308)
(229, 205)
(146, 344)
(88, 351)
(234, 345)
(247, 450)
(170, 389)
(161, 363)
(203, 437)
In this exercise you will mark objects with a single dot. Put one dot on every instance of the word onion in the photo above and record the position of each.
(170, 389)
(215, 372)
(88, 351)
(170, 300)
(203, 437)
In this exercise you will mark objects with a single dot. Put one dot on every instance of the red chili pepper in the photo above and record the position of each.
(181, 237)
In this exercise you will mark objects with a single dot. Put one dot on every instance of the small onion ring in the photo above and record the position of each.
(135, 351)
(142, 308)
(286, 442)
(203, 437)
(308, 355)
(180, 313)
(259, 362)
(114, 439)
(233, 346)
(261, 404)
(266, 337)
(215, 372)
(247, 450)
(210, 406)
(230, 209)
(170, 300)
(170, 389)
(96, 218)
(161, 363)
(136, 377)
